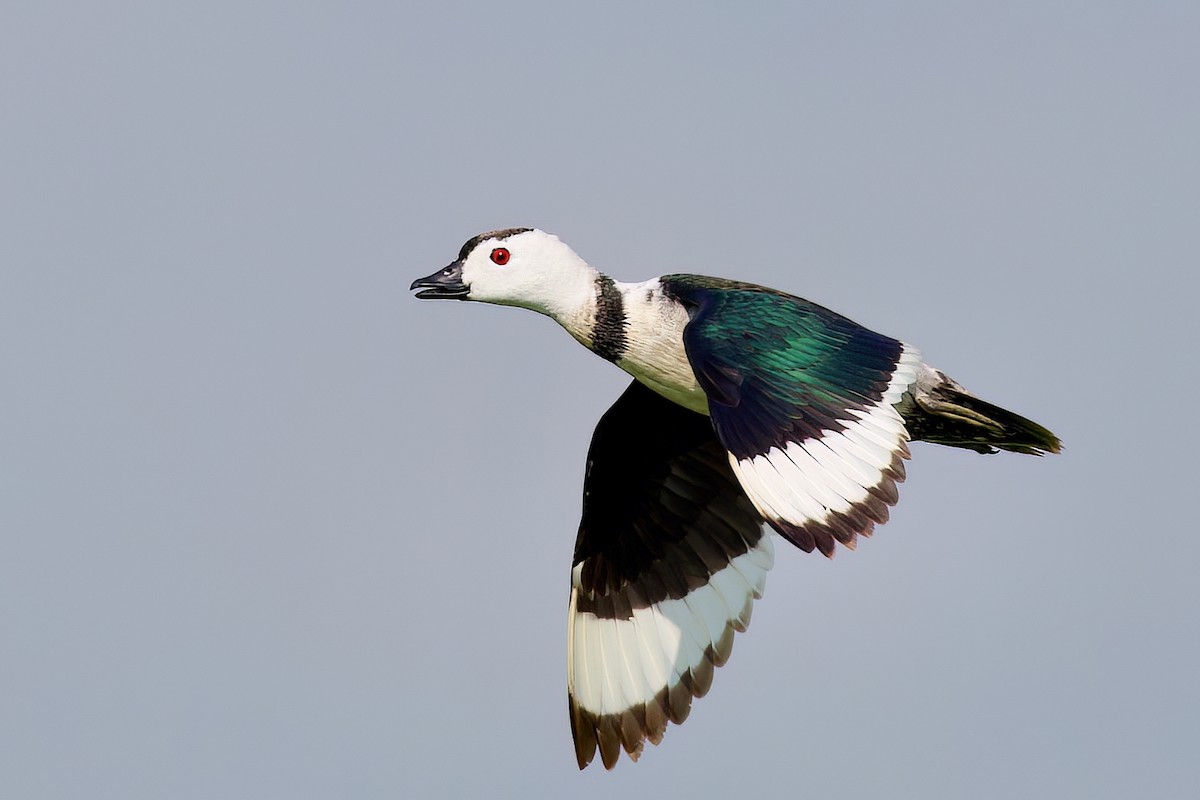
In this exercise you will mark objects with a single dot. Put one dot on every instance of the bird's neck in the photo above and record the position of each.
(590, 307)
(570, 299)
(638, 328)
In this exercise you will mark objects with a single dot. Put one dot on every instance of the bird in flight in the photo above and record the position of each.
(748, 405)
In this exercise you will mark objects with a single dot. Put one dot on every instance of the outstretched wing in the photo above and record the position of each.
(802, 398)
(670, 557)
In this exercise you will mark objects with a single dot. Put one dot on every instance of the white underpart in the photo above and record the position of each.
(654, 353)
(811, 480)
(615, 664)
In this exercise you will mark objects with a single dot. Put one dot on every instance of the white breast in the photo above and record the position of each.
(655, 354)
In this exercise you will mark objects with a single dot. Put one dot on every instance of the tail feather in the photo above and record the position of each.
(937, 409)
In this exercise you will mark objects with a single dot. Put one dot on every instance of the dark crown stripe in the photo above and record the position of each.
(483, 237)
(609, 339)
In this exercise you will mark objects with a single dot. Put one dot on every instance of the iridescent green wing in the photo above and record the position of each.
(803, 401)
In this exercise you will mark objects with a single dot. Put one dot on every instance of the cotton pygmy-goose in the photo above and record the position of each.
(748, 405)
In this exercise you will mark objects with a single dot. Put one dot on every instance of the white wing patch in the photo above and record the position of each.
(628, 677)
(837, 485)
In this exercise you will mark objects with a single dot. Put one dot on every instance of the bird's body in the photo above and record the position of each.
(809, 415)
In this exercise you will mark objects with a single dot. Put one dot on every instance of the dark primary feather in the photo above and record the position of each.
(662, 508)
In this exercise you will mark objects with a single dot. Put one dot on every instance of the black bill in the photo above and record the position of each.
(445, 283)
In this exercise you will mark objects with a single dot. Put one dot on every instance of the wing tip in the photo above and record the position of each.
(628, 730)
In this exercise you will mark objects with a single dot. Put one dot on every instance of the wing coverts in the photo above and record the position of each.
(802, 398)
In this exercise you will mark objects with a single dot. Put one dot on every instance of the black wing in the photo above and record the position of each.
(670, 556)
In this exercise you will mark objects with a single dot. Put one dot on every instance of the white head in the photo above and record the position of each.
(515, 267)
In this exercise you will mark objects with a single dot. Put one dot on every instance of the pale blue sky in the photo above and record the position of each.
(269, 527)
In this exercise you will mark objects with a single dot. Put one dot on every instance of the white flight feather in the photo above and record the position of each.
(666, 640)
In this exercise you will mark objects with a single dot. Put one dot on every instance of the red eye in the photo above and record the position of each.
(500, 256)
